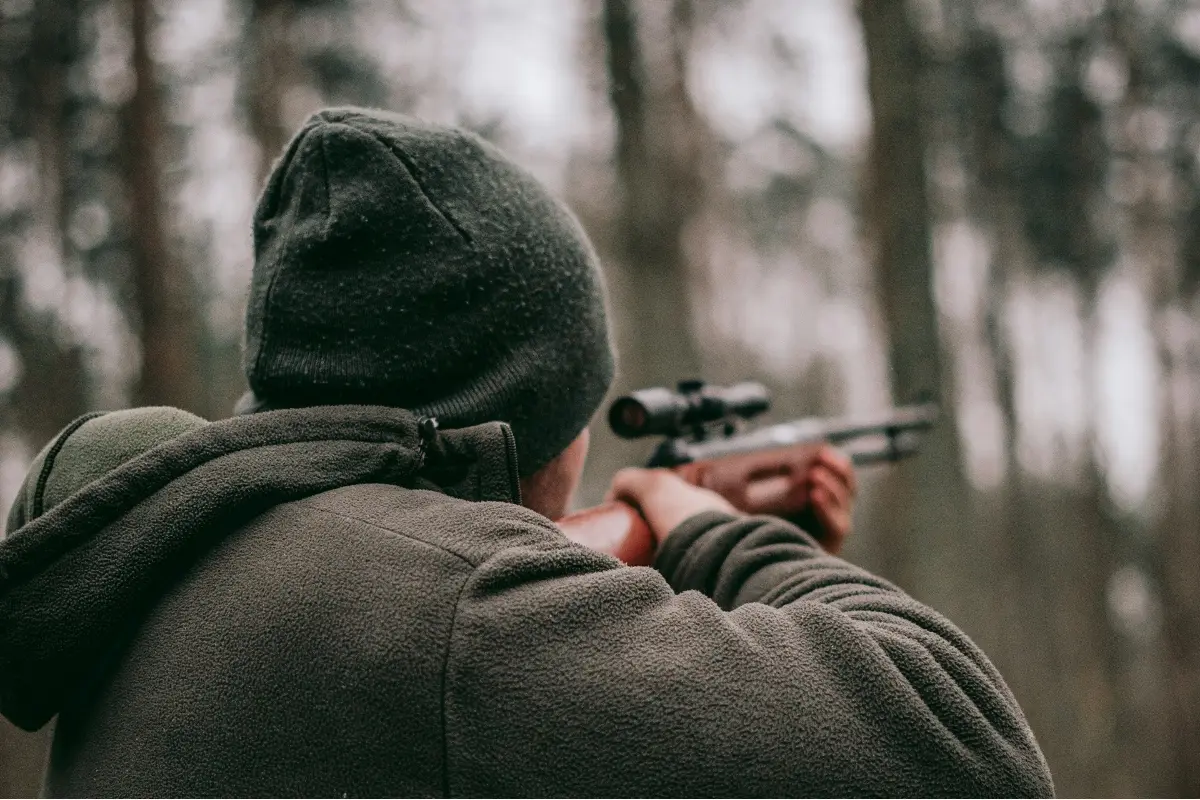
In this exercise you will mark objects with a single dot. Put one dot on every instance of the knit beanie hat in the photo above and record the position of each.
(414, 265)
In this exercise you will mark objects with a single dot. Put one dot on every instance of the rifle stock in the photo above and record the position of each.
(614, 528)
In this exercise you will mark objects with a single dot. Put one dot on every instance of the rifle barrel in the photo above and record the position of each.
(893, 436)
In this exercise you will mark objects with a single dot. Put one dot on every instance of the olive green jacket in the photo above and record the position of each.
(322, 602)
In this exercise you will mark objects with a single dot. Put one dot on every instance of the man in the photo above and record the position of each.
(334, 595)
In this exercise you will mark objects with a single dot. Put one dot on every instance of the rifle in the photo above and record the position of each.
(708, 444)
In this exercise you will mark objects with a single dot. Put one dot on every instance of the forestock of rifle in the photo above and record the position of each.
(756, 470)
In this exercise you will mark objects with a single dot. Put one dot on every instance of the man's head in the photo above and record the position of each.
(414, 265)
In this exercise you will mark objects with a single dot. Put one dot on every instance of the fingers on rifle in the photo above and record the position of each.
(824, 507)
(841, 465)
(826, 481)
(833, 518)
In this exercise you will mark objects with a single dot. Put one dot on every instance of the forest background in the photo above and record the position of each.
(855, 203)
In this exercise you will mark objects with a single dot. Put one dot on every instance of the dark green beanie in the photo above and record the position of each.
(414, 265)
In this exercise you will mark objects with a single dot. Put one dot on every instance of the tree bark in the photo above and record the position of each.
(272, 63)
(661, 143)
(52, 386)
(167, 327)
(898, 202)
(925, 498)
(657, 128)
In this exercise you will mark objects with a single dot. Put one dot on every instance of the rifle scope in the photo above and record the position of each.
(663, 412)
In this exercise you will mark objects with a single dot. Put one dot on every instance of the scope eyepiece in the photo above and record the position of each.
(663, 412)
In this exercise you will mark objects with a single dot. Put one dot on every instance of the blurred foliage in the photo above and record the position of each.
(994, 200)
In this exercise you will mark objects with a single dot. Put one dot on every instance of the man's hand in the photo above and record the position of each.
(815, 489)
(664, 499)
(830, 484)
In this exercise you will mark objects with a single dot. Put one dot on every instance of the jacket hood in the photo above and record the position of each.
(120, 505)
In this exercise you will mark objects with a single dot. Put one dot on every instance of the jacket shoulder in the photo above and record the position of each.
(472, 531)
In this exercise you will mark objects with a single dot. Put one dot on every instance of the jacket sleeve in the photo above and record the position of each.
(749, 663)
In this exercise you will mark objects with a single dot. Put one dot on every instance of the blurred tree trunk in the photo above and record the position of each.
(53, 50)
(1178, 562)
(271, 69)
(659, 193)
(1016, 592)
(1079, 551)
(1163, 243)
(167, 326)
(52, 387)
(927, 497)
(662, 147)
(1179, 545)
(1177, 569)
(898, 201)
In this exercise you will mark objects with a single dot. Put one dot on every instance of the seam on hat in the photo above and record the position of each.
(325, 175)
(39, 489)
(411, 168)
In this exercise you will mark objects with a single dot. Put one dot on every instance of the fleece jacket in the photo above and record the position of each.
(335, 602)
